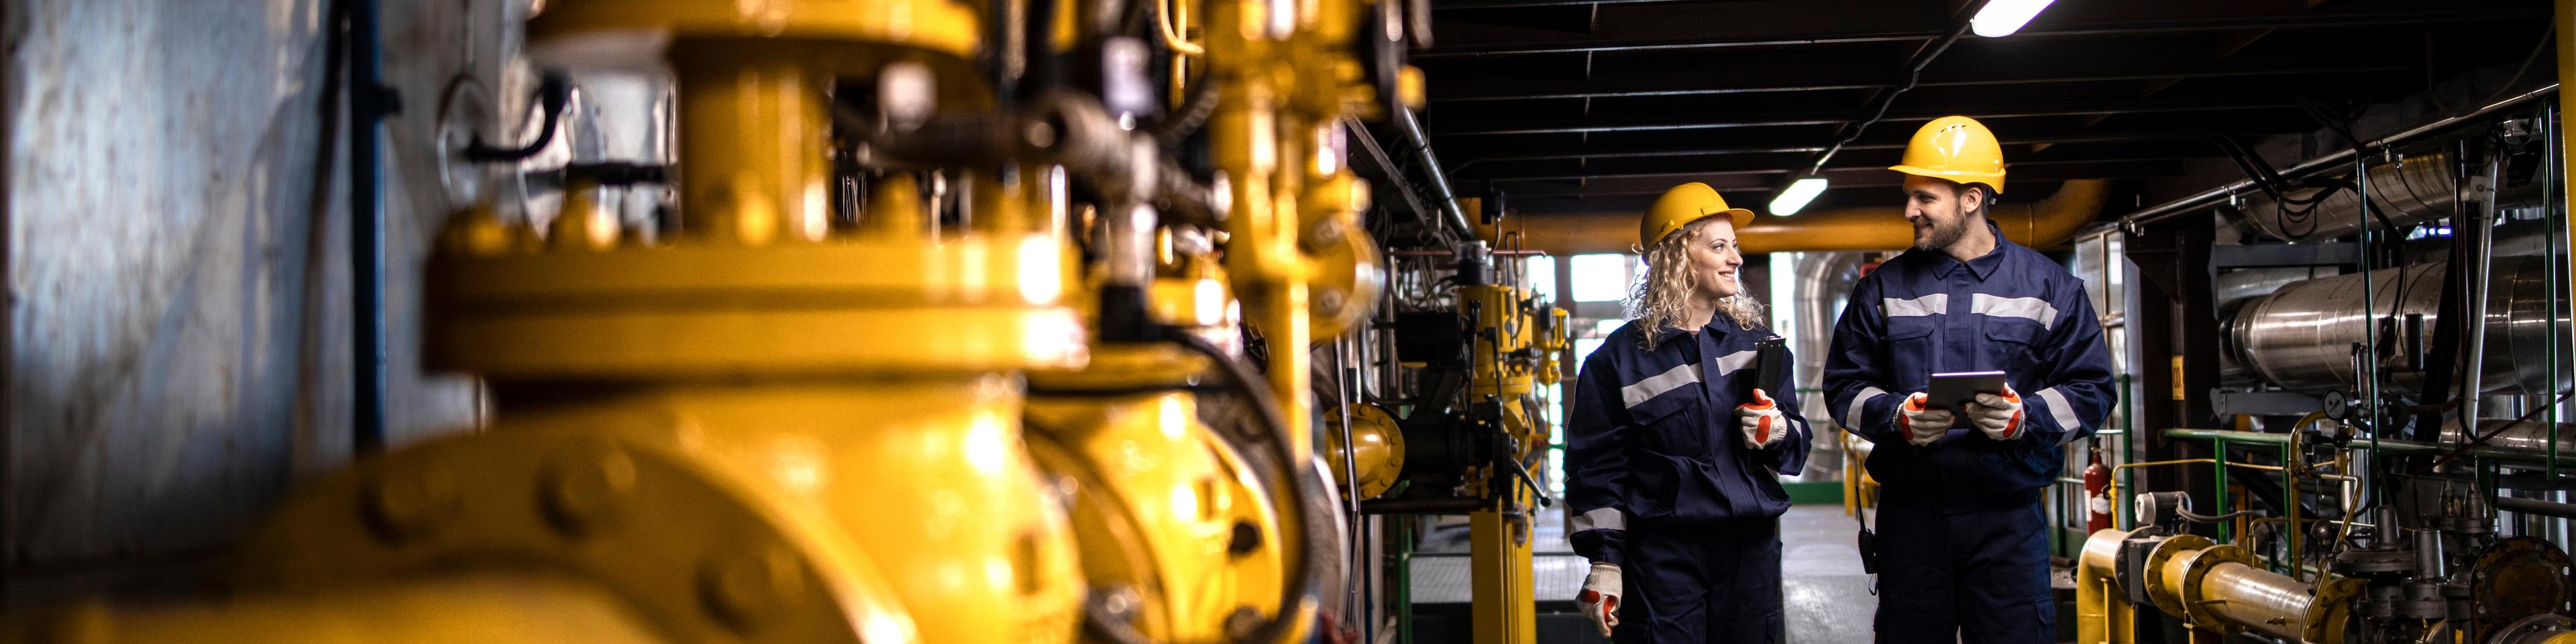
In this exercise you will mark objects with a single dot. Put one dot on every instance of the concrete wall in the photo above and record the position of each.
(179, 318)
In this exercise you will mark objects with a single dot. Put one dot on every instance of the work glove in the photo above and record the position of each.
(1600, 598)
(1999, 416)
(1922, 425)
(1761, 421)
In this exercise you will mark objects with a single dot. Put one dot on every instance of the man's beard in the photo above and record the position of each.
(1942, 234)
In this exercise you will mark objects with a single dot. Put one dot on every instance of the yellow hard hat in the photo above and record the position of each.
(1956, 148)
(1682, 205)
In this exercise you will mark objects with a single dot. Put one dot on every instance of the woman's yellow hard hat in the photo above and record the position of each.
(1958, 149)
(1682, 205)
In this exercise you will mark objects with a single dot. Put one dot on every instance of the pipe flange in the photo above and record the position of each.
(2373, 563)
(2514, 578)
(703, 310)
(2191, 570)
(2533, 629)
(709, 557)
(2330, 611)
(2154, 568)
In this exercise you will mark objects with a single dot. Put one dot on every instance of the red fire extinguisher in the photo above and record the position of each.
(2097, 494)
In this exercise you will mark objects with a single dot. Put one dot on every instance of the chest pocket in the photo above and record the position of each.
(1911, 351)
(1671, 423)
(2010, 345)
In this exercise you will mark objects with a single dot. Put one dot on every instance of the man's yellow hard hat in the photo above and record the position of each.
(1956, 148)
(1682, 205)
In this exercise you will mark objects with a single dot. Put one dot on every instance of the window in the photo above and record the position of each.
(1583, 348)
(1601, 277)
(1541, 271)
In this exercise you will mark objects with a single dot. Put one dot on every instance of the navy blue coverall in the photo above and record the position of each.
(1661, 484)
(1961, 545)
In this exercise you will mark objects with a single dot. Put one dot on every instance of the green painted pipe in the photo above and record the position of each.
(2387, 446)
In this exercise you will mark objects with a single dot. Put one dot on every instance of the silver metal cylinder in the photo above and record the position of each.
(2301, 336)
(2236, 288)
(2529, 435)
(2267, 603)
(2413, 189)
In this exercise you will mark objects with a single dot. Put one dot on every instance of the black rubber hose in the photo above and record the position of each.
(2188, 515)
(1303, 486)
(1193, 112)
(553, 93)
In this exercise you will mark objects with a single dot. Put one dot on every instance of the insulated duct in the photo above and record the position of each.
(2301, 337)
(2529, 435)
(2046, 224)
(2409, 190)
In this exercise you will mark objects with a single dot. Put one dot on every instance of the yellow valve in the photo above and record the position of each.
(1161, 507)
(1379, 455)
(479, 608)
(478, 231)
(583, 223)
(1499, 366)
(1552, 343)
(1348, 277)
(943, 26)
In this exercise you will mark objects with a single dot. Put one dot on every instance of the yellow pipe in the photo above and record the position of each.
(2102, 612)
(2045, 224)
(466, 609)
(2565, 20)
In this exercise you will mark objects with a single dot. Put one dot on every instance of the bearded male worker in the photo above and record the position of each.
(1960, 518)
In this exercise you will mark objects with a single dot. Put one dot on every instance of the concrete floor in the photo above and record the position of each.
(1826, 596)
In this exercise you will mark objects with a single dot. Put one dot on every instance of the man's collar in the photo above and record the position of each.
(1983, 266)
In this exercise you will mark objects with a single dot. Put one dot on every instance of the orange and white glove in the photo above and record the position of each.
(1998, 416)
(1600, 598)
(1762, 422)
(1922, 425)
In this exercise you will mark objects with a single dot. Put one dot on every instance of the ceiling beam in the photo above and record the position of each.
(1726, 121)
(1684, 27)
(1628, 151)
(2163, 165)
(1474, 89)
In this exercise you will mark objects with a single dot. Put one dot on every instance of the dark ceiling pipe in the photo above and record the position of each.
(1421, 145)
(370, 101)
(1913, 74)
(2333, 160)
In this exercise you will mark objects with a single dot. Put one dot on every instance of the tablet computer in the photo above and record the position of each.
(1953, 391)
(1772, 357)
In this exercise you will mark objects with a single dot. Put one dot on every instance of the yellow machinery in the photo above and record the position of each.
(925, 421)
(2215, 589)
(1475, 430)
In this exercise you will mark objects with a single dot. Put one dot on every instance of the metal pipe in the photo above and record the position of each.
(2564, 19)
(1913, 72)
(2408, 190)
(1386, 169)
(1412, 128)
(369, 102)
(2045, 224)
(2535, 506)
(2214, 196)
(2258, 599)
(2391, 447)
(2527, 435)
(478, 606)
(1423, 506)
(2482, 268)
(2300, 336)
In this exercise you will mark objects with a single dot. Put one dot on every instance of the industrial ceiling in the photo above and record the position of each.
(1573, 108)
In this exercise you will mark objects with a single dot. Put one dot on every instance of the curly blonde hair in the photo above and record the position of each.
(1662, 294)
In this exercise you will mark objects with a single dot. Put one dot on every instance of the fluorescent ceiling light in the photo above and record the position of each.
(2001, 18)
(1796, 197)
